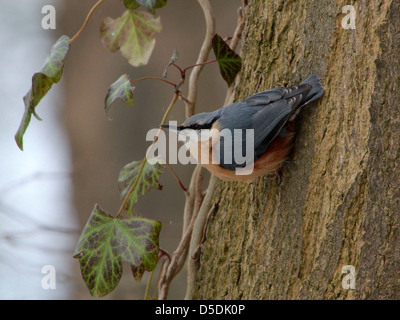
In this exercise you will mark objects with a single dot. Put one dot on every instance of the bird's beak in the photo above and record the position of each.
(170, 128)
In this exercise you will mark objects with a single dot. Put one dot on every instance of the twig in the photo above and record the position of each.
(235, 40)
(178, 67)
(176, 262)
(86, 21)
(237, 35)
(190, 197)
(203, 55)
(198, 198)
(154, 78)
(174, 266)
(198, 64)
(197, 235)
(183, 98)
(146, 293)
(164, 257)
(176, 177)
(196, 252)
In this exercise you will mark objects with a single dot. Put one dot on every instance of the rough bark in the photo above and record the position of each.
(339, 203)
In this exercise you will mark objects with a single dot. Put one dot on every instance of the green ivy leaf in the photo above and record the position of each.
(149, 178)
(160, 3)
(106, 242)
(133, 34)
(120, 89)
(42, 81)
(229, 62)
(131, 4)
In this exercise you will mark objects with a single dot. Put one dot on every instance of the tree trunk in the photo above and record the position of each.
(338, 202)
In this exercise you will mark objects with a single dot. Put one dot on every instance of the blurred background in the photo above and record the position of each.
(72, 158)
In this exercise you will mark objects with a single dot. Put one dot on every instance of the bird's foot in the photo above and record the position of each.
(275, 175)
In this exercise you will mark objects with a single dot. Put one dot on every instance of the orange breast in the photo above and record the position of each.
(270, 162)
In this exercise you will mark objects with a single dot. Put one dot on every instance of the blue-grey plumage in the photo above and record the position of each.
(267, 113)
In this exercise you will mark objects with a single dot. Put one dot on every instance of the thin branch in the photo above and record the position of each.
(86, 21)
(235, 40)
(198, 195)
(237, 35)
(197, 235)
(165, 258)
(198, 64)
(176, 177)
(175, 266)
(190, 197)
(198, 198)
(154, 78)
(178, 67)
(183, 98)
(203, 55)
(146, 293)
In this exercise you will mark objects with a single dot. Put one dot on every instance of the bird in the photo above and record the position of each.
(268, 115)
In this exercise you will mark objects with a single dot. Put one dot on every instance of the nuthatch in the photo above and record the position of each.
(269, 114)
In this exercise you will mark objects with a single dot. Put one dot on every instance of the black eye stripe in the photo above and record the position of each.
(195, 126)
(198, 126)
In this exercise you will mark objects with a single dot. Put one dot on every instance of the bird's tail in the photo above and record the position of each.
(317, 90)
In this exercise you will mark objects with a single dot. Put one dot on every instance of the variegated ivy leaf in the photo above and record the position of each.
(42, 82)
(120, 89)
(229, 62)
(131, 4)
(106, 242)
(147, 179)
(133, 34)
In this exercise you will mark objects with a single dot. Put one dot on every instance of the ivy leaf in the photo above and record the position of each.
(229, 62)
(131, 4)
(42, 82)
(174, 58)
(120, 89)
(152, 4)
(133, 34)
(160, 3)
(149, 178)
(106, 242)
(137, 272)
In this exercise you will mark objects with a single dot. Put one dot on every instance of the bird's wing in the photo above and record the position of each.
(269, 121)
(266, 97)
(266, 112)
